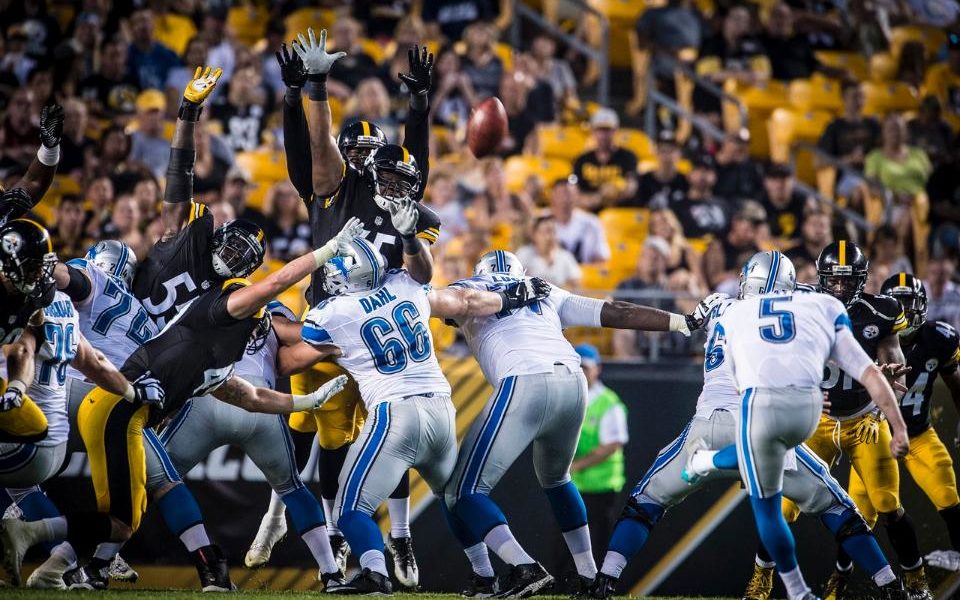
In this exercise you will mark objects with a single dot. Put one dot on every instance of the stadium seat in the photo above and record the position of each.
(816, 93)
(622, 16)
(892, 96)
(932, 38)
(599, 337)
(624, 257)
(625, 223)
(265, 168)
(518, 168)
(374, 50)
(853, 62)
(635, 141)
(174, 31)
(599, 277)
(789, 127)
(248, 22)
(760, 101)
(299, 20)
(504, 52)
(563, 142)
(883, 67)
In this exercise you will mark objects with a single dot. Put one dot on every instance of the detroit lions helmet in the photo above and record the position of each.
(767, 272)
(356, 273)
(115, 258)
(500, 262)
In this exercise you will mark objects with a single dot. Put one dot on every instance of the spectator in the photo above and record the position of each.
(495, 206)
(647, 286)
(878, 274)
(784, 203)
(850, 137)
(42, 28)
(449, 19)
(381, 17)
(607, 175)
(580, 232)
(111, 154)
(222, 212)
(220, 50)
(912, 64)
(887, 251)
(737, 175)
(943, 190)
(664, 185)
(150, 61)
(371, 103)
(555, 71)
(84, 44)
(67, 234)
(943, 295)
(816, 234)
(726, 255)
(20, 131)
(236, 192)
(289, 233)
(244, 106)
(111, 91)
(40, 82)
(730, 54)
(357, 65)
(902, 169)
(267, 57)
(148, 145)
(700, 212)
(146, 192)
(668, 30)
(409, 32)
(194, 56)
(15, 60)
(479, 62)
(453, 94)
(98, 201)
(442, 199)
(790, 53)
(598, 465)
(75, 143)
(681, 256)
(545, 257)
(527, 101)
(943, 80)
(929, 132)
(214, 159)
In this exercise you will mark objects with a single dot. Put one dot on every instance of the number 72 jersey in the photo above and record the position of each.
(384, 337)
(934, 351)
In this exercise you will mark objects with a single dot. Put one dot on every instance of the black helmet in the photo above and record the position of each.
(395, 174)
(26, 256)
(357, 140)
(238, 248)
(842, 271)
(910, 292)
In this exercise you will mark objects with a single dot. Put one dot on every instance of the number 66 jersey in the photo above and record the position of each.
(385, 339)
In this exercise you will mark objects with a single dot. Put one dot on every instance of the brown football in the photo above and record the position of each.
(487, 127)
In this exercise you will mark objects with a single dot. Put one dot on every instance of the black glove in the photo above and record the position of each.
(420, 78)
(14, 204)
(51, 125)
(147, 390)
(292, 71)
(524, 292)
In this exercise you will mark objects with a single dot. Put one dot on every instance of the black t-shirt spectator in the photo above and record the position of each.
(485, 79)
(800, 255)
(591, 174)
(242, 126)
(790, 58)
(843, 137)
(116, 96)
(288, 243)
(72, 154)
(935, 139)
(353, 68)
(944, 184)
(653, 193)
(379, 17)
(736, 181)
(702, 217)
(736, 57)
(453, 16)
(786, 222)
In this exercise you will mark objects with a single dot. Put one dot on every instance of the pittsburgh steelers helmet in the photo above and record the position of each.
(357, 140)
(358, 272)
(395, 175)
(842, 270)
(909, 290)
(115, 258)
(500, 262)
(27, 259)
(238, 248)
(767, 272)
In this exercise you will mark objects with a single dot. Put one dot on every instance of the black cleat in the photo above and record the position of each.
(213, 570)
(405, 567)
(524, 581)
(332, 580)
(481, 587)
(85, 578)
(894, 591)
(341, 551)
(583, 588)
(836, 585)
(603, 586)
(365, 583)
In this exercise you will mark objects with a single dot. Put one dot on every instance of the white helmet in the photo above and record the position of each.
(114, 258)
(500, 262)
(355, 273)
(767, 272)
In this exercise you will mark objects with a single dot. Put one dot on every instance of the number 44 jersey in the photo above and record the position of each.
(931, 350)
(384, 337)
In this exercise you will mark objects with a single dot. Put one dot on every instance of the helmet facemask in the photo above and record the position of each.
(30, 276)
(356, 155)
(258, 338)
(236, 253)
(914, 309)
(844, 286)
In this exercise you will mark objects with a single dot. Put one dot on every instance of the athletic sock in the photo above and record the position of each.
(903, 538)
(480, 560)
(884, 576)
(571, 515)
(726, 458)
(613, 564)
(195, 537)
(701, 462)
(578, 542)
(35, 506)
(763, 558)
(859, 544)
(500, 539)
(181, 513)
(793, 581)
(332, 528)
(107, 550)
(399, 509)
(374, 560)
(319, 543)
(55, 528)
(62, 558)
(276, 509)
(844, 560)
(951, 516)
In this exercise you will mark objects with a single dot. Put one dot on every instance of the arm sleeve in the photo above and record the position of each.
(79, 287)
(179, 186)
(613, 426)
(296, 145)
(847, 352)
(416, 138)
(577, 311)
(428, 225)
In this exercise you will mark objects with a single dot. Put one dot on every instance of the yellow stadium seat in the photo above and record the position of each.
(635, 141)
(504, 52)
(932, 38)
(815, 94)
(622, 16)
(760, 101)
(299, 20)
(374, 50)
(624, 257)
(263, 166)
(599, 337)
(789, 127)
(248, 22)
(852, 62)
(174, 31)
(599, 277)
(564, 142)
(881, 98)
(625, 223)
(883, 67)
(518, 168)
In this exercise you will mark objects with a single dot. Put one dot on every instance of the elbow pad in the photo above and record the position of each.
(79, 287)
(580, 311)
(180, 176)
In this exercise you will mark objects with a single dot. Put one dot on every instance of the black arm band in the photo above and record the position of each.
(292, 96)
(79, 287)
(190, 111)
(180, 176)
(420, 102)
(411, 244)
(317, 87)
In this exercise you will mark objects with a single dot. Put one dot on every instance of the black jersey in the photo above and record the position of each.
(196, 352)
(16, 310)
(179, 269)
(933, 349)
(873, 319)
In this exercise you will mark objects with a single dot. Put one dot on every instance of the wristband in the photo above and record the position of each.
(189, 111)
(18, 385)
(292, 96)
(504, 301)
(678, 323)
(317, 87)
(49, 156)
(302, 402)
(129, 394)
(324, 253)
(411, 245)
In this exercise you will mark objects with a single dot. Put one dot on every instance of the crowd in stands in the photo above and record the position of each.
(852, 113)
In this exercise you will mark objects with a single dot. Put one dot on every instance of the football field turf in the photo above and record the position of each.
(196, 595)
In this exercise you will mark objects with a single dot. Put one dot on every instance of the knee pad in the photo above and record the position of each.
(850, 524)
(647, 514)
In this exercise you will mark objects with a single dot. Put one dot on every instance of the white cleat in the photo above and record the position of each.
(120, 570)
(689, 474)
(272, 529)
(17, 537)
(46, 577)
(405, 567)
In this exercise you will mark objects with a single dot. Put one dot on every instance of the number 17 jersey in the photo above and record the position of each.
(384, 337)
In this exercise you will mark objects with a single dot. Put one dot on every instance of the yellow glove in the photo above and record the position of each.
(201, 86)
(868, 429)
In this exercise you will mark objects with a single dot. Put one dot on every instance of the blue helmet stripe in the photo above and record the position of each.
(121, 262)
(501, 261)
(373, 260)
(774, 268)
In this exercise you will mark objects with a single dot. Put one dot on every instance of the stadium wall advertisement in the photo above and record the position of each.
(703, 547)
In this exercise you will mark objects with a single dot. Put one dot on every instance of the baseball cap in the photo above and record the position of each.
(151, 100)
(703, 161)
(667, 136)
(778, 170)
(589, 355)
(605, 118)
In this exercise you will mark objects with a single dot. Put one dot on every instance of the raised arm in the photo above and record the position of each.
(240, 393)
(416, 129)
(417, 260)
(296, 133)
(326, 163)
(460, 302)
(30, 189)
(178, 193)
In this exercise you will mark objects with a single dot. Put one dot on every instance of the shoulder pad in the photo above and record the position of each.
(77, 263)
(945, 331)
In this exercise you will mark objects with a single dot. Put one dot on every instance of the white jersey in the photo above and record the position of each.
(719, 384)
(524, 341)
(384, 337)
(111, 318)
(778, 340)
(259, 362)
(57, 341)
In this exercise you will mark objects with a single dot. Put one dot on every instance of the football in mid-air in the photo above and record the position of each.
(487, 127)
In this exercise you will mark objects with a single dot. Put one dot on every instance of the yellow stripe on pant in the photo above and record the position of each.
(112, 431)
(25, 424)
(338, 421)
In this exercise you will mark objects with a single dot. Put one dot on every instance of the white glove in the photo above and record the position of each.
(319, 396)
(314, 56)
(146, 390)
(340, 243)
(404, 216)
(944, 559)
(701, 314)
